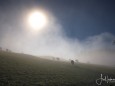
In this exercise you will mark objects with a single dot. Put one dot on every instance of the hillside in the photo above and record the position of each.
(26, 70)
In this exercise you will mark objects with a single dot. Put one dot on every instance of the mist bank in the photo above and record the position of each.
(52, 41)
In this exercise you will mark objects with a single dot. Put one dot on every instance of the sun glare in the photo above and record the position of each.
(37, 20)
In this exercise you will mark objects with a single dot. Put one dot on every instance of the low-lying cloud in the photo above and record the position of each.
(52, 41)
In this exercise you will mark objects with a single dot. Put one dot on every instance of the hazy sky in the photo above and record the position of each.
(78, 29)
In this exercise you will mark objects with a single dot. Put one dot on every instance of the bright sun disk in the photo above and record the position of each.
(37, 20)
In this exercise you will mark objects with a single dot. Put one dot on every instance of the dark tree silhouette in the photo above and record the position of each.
(0, 48)
(7, 50)
(72, 62)
(58, 59)
(113, 42)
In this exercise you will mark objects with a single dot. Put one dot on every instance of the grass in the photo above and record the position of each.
(26, 70)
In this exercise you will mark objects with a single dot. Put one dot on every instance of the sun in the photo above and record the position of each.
(37, 20)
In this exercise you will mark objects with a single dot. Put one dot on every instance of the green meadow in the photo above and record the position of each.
(27, 70)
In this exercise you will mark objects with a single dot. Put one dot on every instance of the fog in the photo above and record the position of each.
(52, 41)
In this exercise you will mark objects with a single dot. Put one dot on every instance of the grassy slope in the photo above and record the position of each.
(26, 70)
